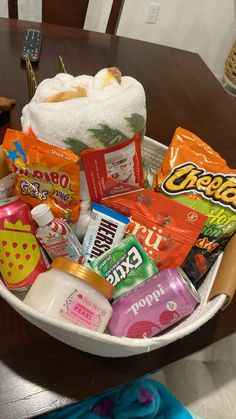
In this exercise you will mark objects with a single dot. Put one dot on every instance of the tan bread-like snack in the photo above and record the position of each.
(225, 281)
(67, 95)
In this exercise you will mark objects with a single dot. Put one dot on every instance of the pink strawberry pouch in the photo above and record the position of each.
(166, 229)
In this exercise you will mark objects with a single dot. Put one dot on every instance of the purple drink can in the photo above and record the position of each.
(156, 304)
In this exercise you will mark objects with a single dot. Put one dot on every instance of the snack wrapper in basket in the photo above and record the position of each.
(44, 174)
(195, 175)
(110, 346)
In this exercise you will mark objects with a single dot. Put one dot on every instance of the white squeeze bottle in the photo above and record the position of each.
(55, 235)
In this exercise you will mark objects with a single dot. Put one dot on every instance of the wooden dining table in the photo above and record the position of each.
(38, 373)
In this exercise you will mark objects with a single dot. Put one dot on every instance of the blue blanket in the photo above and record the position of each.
(143, 398)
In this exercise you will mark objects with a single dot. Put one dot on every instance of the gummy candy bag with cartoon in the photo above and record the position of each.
(45, 174)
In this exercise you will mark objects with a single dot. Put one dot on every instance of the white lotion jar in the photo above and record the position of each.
(74, 293)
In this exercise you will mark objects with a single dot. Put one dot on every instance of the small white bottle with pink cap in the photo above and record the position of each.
(55, 235)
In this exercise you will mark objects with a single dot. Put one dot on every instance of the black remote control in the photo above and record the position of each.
(31, 45)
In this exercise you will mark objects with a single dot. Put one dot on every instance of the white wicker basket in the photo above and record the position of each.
(105, 344)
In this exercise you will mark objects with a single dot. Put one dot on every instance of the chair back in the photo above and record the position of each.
(70, 13)
(65, 12)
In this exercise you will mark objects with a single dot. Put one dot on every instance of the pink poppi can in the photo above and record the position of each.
(156, 304)
(21, 258)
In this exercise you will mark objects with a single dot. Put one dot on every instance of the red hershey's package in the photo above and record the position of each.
(122, 162)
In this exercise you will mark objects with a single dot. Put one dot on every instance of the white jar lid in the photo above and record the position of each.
(42, 214)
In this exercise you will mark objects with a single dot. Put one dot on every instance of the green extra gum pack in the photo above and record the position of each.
(125, 265)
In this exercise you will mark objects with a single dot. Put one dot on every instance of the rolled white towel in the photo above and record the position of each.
(86, 112)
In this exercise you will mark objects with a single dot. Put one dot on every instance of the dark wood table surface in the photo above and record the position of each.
(37, 372)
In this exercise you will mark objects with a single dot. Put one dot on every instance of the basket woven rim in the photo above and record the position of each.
(230, 64)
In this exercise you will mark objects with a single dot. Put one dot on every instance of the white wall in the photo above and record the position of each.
(3, 8)
(97, 15)
(27, 9)
(207, 27)
(30, 10)
(203, 26)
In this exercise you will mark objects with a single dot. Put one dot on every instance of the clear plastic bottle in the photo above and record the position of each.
(55, 235)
